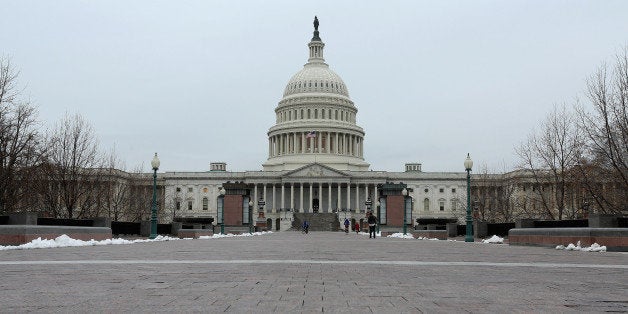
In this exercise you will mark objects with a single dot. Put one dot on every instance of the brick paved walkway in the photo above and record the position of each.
(318, 272)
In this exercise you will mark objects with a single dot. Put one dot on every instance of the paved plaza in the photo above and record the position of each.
(319, 272)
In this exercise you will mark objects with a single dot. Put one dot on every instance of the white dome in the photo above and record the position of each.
(316, 78)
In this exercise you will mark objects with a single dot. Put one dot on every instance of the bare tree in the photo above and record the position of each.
(493, 195)
(74, 163)
(548, 155)
(606, 131)
(20, 149)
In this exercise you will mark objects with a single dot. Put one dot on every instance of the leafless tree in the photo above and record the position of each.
(606, 131)
(20, 149)
(493, 194)
(548, 155)
(75, 163)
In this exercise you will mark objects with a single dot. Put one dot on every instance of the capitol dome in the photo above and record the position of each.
(315, 120)
(316, 78)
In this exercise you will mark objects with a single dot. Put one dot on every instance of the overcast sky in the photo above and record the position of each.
(198, 81)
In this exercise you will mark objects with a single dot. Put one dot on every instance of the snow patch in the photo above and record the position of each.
(593, 248)
(401, 235)
(494, 239)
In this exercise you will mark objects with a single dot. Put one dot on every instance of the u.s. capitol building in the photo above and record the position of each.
(315, 161)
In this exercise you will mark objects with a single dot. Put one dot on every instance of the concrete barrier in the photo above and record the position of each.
(194, 233)
(615, 239)
(21, 234)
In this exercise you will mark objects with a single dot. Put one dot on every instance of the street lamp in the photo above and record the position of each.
(153, 216)
(250, 216)
(468, 164)
(405, 210)
(222, 212)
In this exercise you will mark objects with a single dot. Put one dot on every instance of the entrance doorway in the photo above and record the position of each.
(315, 205)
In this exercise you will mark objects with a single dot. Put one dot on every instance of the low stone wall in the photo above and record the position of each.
(21, 234)
(194, 233)
(615, 239)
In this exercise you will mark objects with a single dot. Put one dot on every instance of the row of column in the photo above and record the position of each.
(320, 142)
(271, 205)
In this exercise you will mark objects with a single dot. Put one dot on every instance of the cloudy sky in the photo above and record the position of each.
(198, 81)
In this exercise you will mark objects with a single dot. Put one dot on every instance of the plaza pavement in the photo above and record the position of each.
(319, 272)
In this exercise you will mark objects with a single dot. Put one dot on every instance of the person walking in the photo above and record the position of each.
(306, 226)
(372, 220)
(347, 225)
(357, 227)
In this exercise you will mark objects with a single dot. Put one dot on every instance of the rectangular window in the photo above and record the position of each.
(178, 189)
(190, 190)
(178, 205)
(408, 205)
(205, 203)
(441, 204)
(453, 190)
(382, 211)
(245, 210)
(441, 190)
(189, 205)
(220, 204)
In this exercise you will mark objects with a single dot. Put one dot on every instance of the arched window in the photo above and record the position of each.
(301, 114)
(308, 113)
(315, 113)
(336, 114)
(426, 204)
(323, 114)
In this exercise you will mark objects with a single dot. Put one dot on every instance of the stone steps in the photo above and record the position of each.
(318, 221)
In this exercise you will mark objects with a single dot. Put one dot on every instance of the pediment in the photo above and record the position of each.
(316, 171)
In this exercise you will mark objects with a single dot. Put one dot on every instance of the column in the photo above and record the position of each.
(350, 145)
(319, 138)
(366, 192)
(269, 151)
(255, 200)
(294, 142)
(283, 194)
(273, 208)
(336, 151)
(328, 146)
(311, 198)
(329, 198)
(339, 199)
(311, 140)
(291, 195)
(357, 197)
(264, 195)
(348, 196)
(301, 198)
(302, 143)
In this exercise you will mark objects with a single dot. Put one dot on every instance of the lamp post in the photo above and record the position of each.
(222, 211)
(404, 192)
(250, 216)
(153, 216)
(468, 164)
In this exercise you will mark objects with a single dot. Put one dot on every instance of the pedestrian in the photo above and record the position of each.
(357, 227)
(347, 225)
(306, 226)
(372, 220)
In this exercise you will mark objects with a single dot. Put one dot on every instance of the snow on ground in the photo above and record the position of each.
(494, 239)
(65, 241)
(593, 248)
(401, 236)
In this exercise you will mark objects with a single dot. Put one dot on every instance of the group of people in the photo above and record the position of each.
(371, 219)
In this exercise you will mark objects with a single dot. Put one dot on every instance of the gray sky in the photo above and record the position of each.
(198, 81)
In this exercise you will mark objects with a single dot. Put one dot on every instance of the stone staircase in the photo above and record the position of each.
(318, 221)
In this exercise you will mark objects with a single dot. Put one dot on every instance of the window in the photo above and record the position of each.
(190, 190)
(189, 205)
(441, 205)
(426, 204)
(441, 190)
(178, 205)
(453, 190)
(205, 203)
(454, 204)
(426, 190)
(178, 189)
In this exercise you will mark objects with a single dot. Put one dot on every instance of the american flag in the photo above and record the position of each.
(311, 134)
